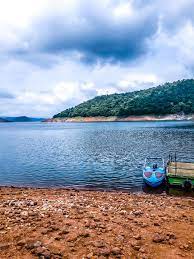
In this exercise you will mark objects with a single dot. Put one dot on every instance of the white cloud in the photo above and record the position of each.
(123, 10)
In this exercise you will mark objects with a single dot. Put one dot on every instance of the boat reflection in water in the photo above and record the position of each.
(177, 191)
(165, 189)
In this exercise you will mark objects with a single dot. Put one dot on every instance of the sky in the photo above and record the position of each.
(55, 54)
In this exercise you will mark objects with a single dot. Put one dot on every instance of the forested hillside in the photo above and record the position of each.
(170, 98)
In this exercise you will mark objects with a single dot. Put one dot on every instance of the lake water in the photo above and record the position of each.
(107, 155)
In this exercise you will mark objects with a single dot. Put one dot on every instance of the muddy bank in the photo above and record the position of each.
(123, 119)
(51, 223)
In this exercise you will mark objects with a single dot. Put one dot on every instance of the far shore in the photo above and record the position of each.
(61, 223)
(170, 117)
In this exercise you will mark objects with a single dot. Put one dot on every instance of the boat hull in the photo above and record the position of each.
(151, 177)
(154, 184)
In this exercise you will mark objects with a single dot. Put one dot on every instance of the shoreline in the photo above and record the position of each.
(69, 223)
(75, 188)
(146, 118)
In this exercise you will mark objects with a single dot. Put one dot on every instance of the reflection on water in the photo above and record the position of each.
(175, 191)
(160, 189)
(107, 155)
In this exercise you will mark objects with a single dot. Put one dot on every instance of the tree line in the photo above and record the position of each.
(170, 98)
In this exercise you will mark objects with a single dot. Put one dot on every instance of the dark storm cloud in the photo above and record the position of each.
(92, 32)
(95, 33)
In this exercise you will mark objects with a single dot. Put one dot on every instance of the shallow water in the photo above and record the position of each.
(107, 155)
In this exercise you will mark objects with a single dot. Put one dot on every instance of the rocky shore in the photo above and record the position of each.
(171, 117)
(59, 223)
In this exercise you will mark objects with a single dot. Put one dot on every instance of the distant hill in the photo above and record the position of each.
(3, 120)
(22, 119)
(170, 98)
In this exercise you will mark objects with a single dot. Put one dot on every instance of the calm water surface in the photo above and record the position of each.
(90, 155)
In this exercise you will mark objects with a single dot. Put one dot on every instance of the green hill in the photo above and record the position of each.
(23, 119)
(170, 98)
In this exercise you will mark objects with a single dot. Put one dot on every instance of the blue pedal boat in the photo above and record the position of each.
(154, 171)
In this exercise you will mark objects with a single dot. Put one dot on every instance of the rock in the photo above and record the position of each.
(33, 213)
(120, 238)
(144, 225)
(24, 214)
(64, 231)
(47, 254)
(158, 238)
(4, 246)
(137, 237)
(84, 234)
(32, 203)
(58, 238)
(136, 245)
(37, 244)
(2, 227)
(29, 245)
(104, 252)
(116, 251)
(186, 247)
(54, 228)
(45, 231)
(90, 256)
(171, 236)
(99, 244)
(72, 238)
(21, 243)
(39, 250)
(137, 212)
(142, 250)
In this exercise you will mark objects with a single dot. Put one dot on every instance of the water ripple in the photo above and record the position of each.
(92, 155)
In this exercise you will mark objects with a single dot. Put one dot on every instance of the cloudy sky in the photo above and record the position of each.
(57, 53)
